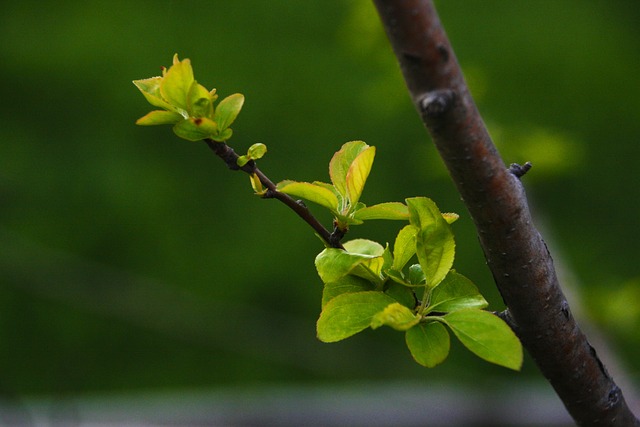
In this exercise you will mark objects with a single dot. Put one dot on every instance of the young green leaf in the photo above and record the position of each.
(257, 151)
(312, 192)
(428, 343)
(358, 173)
(176, 83)
(199, 102)
(150, 88)
(450, 217)
(344, 285)
(404, 247)
(350, 313)
(396, 316)
(256, 184)
(375, 258)
(364, 247)
(455, 292)
(416, 276)
(341, 162)
(390, 210)
(228, 109)
(159, 117)
(487, 336)
(195, 129)
(435, 245)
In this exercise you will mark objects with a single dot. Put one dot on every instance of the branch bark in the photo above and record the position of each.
(522, 267)
(230, 157)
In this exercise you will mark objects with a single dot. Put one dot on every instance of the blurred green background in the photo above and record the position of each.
(133, 260)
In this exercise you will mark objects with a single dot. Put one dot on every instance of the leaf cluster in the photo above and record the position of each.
(367, 285)
(349, 169)
(187, 105)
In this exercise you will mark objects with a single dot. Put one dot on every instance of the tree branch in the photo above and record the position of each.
(516, 254)
(230, 157)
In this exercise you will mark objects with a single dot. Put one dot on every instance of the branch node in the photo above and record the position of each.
(269, 194)
(437, 102)
(519, 170)
(336, 236)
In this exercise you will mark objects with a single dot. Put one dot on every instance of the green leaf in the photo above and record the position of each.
(228, 109)
(364, 247)
(242, 160)
(375, 258)
(455, 292)
(435, 245)
(416, 276)
(341, 162)
(312, 192)
(450, 217)
(257, 151)
(358, 173)
(256, 184)
(176, 83)
(344, 285)
(350, 313)
(396, 316)
(402, 294)
(404, 247)
(222, 136)
(333, 264)
(487, 336)
(195, 129)
(199, 102)
(150, 88)
(362, 258)
(159, 117)
(390, 210)
(428, 343)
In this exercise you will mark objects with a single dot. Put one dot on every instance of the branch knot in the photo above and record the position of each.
(437, 102)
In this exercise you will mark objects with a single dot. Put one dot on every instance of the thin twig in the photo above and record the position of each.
(230, 157)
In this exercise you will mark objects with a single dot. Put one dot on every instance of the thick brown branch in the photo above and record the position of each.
(230, 157)
(516, 254)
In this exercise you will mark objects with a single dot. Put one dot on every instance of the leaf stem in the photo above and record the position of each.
(230, 157)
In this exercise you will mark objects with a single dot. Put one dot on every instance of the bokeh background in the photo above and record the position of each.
(133, 263)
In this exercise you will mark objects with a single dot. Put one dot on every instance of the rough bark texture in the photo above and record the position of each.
(516, 254)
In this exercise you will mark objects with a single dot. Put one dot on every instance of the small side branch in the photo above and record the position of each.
(230, 158)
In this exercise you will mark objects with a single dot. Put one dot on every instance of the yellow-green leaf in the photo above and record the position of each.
(176, 83)
(404, 247)
(341, 162)
(396, 316)
(257, 151)
(435, 245)
(363, 258)
(159, 117)
(428, 343)
(199, 102)
(390, 210)
(350, 313)
(455, 292)
(150, 88)
(358, 173)
(344, 285)
(312, 192)
(487, 336)
(193, 129)
(228, 109)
